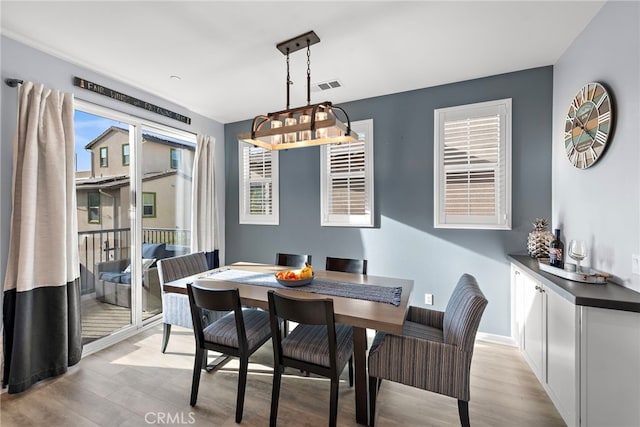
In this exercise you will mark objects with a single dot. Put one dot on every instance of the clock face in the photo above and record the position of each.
(588, 125)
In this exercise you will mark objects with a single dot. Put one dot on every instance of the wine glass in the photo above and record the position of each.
(578, 251)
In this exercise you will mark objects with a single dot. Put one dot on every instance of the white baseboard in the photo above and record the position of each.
(496, 339)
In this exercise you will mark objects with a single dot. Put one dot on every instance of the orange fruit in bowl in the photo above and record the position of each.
(290, 275)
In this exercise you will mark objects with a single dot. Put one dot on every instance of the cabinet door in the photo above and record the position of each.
(517, 317)
(610, 362)
(562, 345)
(533, 341)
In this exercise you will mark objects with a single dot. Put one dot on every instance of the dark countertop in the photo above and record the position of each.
(609, 295)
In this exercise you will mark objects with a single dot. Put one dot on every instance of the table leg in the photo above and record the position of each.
(360, 371)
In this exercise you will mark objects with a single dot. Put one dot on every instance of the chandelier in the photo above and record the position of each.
(312, 124)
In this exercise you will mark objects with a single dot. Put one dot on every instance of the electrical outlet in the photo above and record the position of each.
(635, 264)
(428, 299)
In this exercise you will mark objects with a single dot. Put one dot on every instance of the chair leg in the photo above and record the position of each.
(333, 411)
(197, 369)
(275, 395)
(205, 361)
(463, 411)
(351, 371)
(166, 330)
(373, 392)
(242, 384)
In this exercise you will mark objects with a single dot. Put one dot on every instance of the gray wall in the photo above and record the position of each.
(602, 204)
(404, 242)
(26, 63)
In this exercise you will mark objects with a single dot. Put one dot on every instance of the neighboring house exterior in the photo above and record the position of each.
(103, 197)
(103, 193)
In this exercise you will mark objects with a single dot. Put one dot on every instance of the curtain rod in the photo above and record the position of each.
(13, 82)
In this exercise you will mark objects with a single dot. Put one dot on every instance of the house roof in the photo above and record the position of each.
(145, 137)
(119, 181)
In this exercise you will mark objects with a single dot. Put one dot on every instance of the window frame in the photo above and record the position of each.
(90, 207)
(244, 189)
(127, 155)
(178, 159)
(106, 157)
(367, 219)
(501, 219)
(154, 204)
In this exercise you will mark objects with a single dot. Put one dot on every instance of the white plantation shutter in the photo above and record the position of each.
(346, 176)
(472, 186)
(258, 185)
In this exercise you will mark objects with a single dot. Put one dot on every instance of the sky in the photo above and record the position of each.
(87, 128)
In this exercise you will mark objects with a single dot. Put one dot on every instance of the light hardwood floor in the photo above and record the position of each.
(133, 384)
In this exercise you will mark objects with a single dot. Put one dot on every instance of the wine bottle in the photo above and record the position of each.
(556, 250)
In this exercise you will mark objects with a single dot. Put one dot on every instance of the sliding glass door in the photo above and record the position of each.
(133, 184)
(165, 206)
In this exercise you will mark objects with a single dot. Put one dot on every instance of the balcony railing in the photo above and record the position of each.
(111, 244)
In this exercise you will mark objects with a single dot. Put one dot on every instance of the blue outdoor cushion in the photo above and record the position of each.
(111, 276)
(153, 250)
(125, 278)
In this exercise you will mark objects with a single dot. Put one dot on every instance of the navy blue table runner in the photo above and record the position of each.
(376, 293)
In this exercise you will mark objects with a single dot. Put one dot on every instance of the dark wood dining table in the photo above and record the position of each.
(359, 313)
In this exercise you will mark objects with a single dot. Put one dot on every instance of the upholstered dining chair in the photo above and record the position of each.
(239, 333)
(175, 307)
(434, 351)
(292, 260)
(317, 345)
(348, 265)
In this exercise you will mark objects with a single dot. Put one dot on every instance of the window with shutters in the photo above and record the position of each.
(346, 177)
(472, 170)
(258, 185)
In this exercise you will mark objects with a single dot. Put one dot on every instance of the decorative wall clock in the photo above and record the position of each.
(588, 125)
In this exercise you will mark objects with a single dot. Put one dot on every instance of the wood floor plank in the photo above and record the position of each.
(133, 384)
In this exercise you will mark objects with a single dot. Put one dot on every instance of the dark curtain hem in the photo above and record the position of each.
(42, 334)
(213, 260)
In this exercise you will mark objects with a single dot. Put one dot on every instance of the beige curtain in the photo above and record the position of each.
(204, 202)
(41, 310)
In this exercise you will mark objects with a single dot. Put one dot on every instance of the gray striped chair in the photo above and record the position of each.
(318, 345)
(434, 351)
(175, 307)
(239, 333)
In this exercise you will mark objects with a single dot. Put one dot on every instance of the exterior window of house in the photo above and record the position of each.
(175, 158)
(93, 207)
(259, 185)
(346, 177)
(148, 205)
(472, 170)
(104, 157)
(125, 154)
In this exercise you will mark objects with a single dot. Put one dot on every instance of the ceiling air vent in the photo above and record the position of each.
(330, 84)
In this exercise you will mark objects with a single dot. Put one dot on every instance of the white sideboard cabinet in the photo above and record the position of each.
(548, 338)
(582, 342)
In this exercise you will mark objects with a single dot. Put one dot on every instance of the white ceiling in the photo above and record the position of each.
(231, 70)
